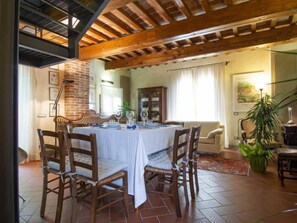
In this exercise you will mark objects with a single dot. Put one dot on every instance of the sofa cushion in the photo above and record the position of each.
(215, 132)
(207, 126)
(206, 140)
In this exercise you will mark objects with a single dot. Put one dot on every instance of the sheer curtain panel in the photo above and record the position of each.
(198, 93)
(27, 135)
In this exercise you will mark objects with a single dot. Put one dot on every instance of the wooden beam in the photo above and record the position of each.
(205, 5)
(115, 4)
(157, 5)
(194, 26)
(265, 37)
(184, 8)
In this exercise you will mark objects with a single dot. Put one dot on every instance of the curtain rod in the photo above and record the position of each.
(226, 63)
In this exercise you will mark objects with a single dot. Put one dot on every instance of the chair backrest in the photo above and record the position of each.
(247, 126)
(180, 146)
(83, 155)
(53, 148)
(194, 141)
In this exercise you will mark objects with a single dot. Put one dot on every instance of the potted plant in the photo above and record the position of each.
(124, 108)
(264, 114)
(256, 155)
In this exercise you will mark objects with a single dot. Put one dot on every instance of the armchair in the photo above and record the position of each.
(212, 136)
(247, 126)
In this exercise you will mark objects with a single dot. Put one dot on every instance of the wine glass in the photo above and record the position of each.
(129, 116)
(118, 116)
(143, 115)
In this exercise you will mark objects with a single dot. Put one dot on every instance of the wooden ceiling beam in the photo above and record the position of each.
(184, 8)
(107, 29)
(205, 5)
(157, 5)
(123, 15)
(115, 4)
(138, 9)
(259, 38)
(193, 26)
(229, 2)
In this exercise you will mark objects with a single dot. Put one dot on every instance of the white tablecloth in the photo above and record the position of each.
(133, 147)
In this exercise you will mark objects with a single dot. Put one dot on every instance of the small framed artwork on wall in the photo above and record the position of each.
(246, 90)
(52, 111)
(53, 93)
(53, 77)
(92, 80)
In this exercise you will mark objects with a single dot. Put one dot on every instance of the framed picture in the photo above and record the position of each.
(92, 96)
(246, 90)
(53, 92)
(53, 77)
(52, 110)
(92, 80)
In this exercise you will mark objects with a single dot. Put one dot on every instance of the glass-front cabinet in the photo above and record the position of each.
(153, 100)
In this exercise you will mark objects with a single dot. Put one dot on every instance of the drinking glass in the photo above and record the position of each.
(129, 116)
(143, 115)
(118, 116)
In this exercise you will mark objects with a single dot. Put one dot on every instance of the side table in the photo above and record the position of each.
(285, 167)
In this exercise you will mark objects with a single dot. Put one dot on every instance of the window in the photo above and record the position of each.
(111, 100)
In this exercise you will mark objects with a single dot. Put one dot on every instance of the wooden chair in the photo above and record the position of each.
(53, 162)
(95, 173)
(193, 159)
(247, 126)
(168, 165)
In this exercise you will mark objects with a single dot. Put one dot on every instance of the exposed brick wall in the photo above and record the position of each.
(77, 93)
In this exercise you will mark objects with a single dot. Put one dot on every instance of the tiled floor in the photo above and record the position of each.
(222, 198)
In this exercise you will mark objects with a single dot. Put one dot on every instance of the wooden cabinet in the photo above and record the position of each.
(289, 134)
(153, 99)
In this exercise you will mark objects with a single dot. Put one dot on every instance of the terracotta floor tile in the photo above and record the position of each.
(221, 198)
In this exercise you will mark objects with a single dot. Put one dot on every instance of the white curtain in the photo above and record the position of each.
(27, 134)
(111, 100)
(198, 94)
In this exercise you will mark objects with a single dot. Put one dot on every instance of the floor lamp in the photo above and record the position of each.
(55, 107)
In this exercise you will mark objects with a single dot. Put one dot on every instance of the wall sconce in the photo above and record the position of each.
(106, 82)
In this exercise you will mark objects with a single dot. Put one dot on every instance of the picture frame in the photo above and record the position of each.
(246, 90)
(52, 111)
(53, 93)
(92, 80)
(92, 96)
(53, 77)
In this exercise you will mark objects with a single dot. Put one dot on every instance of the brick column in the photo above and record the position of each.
(77, 93)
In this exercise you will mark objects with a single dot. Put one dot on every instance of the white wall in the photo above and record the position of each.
(240, 62)
(97, 69)
(42, 97)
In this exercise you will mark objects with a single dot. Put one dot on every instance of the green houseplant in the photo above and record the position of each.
(125, 107)
(264, 114)
(256, 155)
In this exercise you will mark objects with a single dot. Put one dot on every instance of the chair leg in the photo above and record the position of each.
(160, 185)
(125, 194)
(191, 180)
(175, 194)
(44, 192)
(74, 200)
(94, 203)
(185, 183)
(196, 177)
(60, 199)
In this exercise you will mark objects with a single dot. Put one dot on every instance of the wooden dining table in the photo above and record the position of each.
(133, 147)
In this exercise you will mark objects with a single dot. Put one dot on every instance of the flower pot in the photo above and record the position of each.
(258, 163)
